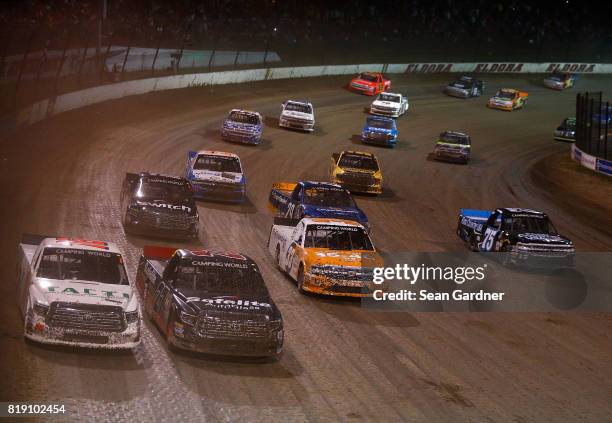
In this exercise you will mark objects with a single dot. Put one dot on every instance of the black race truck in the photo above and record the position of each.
(527, 236)
(159, 205)
(209, 301)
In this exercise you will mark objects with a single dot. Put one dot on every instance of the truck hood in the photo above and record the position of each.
(357, 258)
(248, 127)
(296, 115)
(378, 130)
(213, 176)
(550, 239)
(84, 292)
(358, 170)
(451, 146)
(390, 104)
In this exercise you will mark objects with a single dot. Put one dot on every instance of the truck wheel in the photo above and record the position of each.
(300, 280)
(169, 330)
(473, 243)
(506, 259)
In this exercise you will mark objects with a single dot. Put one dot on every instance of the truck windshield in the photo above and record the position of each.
(505, 95)
(389, 97)
(297, 107)
(83, 265)
(380, 123)
(217, 163)
(328, 196)
(220, 279)
(163, 191)
(454, 138)
(358, 162)
(532, 225)
(337, 238)
(368, 77)
(242, 117)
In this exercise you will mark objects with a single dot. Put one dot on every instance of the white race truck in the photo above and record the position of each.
(389, 104)
(76, 292)
(297, 115)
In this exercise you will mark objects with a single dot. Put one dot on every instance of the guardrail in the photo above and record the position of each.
(74, 100)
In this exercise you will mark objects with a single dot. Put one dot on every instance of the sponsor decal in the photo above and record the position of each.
(79, 252)
(224, 302)
(87, 292)
(571, 67)
(164, 206)
(498, 67)
(429, 67)
(588, 161)
(604, 166)
(466, 221)
(219, 264)
(335, 228)
(150, 272)
(166, 181)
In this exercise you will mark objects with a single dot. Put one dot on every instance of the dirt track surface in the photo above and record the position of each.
(341, 362)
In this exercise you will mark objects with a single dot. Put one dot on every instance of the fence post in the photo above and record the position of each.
(41, 64)
(103, 64)
(83, 58)
(23, 63)
(58, 74)
(236, 59)
(180, 55)
(606, 133)
(159, 40)
(127, 53)
(212, 54)
(265, 58)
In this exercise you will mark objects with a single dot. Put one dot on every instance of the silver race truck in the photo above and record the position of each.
(297, 115)
(389, 104)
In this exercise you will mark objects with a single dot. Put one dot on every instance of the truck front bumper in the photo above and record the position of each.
(37, 331)
(243, 347)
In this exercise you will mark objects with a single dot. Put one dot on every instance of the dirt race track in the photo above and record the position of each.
(341, 362)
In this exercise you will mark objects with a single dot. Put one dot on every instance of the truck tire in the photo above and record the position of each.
(300, 279)
(169, 329)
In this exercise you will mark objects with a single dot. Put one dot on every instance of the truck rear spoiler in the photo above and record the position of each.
(286, 221)
(279, 190)
(156, 252)
(284, 186)
(34, 239)
(479, 215)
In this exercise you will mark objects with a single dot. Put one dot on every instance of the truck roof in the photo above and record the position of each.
(246, 112)
(331, 222)
(79, 244)
(303, 102)
(315, 184)
(159, 177)
(217, 153)
(358, 153)
(516, 210)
